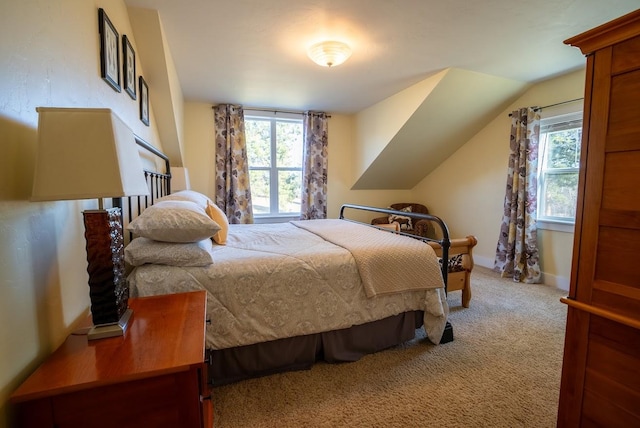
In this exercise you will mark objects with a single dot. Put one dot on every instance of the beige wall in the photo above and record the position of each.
(467, 190)
(377, 125)
(341, 174)
(199, 147)
(49, 56)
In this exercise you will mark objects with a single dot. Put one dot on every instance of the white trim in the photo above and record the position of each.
(483, 261)
(563, 110)
(558, 226)
(275, 219)
(569, 116)
(559, 282)
(273, 114)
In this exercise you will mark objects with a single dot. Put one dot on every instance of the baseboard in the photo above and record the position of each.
(483, 261)
(559, 282)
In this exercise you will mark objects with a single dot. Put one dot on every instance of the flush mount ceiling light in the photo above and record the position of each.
(329, 54)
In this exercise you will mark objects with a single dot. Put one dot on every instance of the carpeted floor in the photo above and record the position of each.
(502, 370)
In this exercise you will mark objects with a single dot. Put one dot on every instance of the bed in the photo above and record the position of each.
(283, 296)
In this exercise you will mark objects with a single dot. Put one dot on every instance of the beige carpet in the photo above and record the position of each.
(502, 370)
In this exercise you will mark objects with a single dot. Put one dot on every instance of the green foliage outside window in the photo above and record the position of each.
(274, 150)
(559, 174)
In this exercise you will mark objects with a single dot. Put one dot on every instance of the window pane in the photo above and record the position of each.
(289, 144)
(258, 135)
(289, 187)
(560, 195)
(260, 196)
(564, 149)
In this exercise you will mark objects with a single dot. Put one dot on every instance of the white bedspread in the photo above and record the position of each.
(388, 263)
(274, 281)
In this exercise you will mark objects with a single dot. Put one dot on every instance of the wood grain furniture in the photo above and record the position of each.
(600, 376)
(460, 251)
(154, 376)
(460, 265)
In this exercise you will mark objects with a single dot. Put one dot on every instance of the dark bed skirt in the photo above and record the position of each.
(301, 352)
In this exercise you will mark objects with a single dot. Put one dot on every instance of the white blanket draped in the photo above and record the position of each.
(388, 263)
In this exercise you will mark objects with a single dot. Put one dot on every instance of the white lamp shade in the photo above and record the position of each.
(85, 154)
(179, 179)
(329, 53)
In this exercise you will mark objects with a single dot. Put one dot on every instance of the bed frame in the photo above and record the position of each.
(459, 252)
(460, 265)
(301, 352)
(159, 184)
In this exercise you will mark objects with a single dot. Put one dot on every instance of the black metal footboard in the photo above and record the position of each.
(444, 242)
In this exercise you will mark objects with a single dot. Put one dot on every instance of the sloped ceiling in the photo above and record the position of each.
(165, 92)
(455, 105)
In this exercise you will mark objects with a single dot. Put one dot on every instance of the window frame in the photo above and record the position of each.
(558, 119)
(274, 169)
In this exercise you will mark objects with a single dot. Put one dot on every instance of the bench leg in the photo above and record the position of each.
(466, 290)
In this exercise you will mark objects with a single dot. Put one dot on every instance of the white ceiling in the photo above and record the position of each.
(253, 52)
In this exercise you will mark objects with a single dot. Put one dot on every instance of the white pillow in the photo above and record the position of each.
(143, 250)
(188, 195)
(174, 221)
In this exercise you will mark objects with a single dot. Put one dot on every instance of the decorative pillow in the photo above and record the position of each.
(174, 221)
(188, 195)
(219, 217)
(143, 250)
(455, 263)
(404, 221)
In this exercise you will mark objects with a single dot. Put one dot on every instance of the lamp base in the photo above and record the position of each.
(111, 330)
(108, 287)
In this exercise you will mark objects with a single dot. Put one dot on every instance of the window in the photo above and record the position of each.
(274, 149)
(558, 168)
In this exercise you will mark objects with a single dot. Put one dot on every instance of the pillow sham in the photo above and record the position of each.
(143, 250)
(174, 221)
(219, 217)
(188, 195)
(404, 221)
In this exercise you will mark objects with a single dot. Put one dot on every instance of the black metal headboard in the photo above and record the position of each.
(159, 185)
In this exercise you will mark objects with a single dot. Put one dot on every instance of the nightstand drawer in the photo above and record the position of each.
(138, 380)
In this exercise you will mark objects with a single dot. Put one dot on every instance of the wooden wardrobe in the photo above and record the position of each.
(601, 368)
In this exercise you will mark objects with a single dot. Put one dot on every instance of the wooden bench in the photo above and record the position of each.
(460, 265)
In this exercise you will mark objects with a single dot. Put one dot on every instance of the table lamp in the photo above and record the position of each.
(90, 153)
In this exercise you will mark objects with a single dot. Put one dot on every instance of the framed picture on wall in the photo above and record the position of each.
(128, 67)
(109, 51)
(144, 101)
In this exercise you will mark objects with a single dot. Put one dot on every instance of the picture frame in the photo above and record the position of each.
(144, 101)
(109, 51)
(128, 67)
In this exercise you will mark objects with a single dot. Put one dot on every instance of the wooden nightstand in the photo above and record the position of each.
(154, 376)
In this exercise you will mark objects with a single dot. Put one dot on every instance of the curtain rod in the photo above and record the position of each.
(556, 104)
(276, 111)
(560, 103)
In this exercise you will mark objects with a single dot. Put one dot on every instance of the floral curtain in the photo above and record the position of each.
(233, 191)
(517, 250)
(314, 166)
